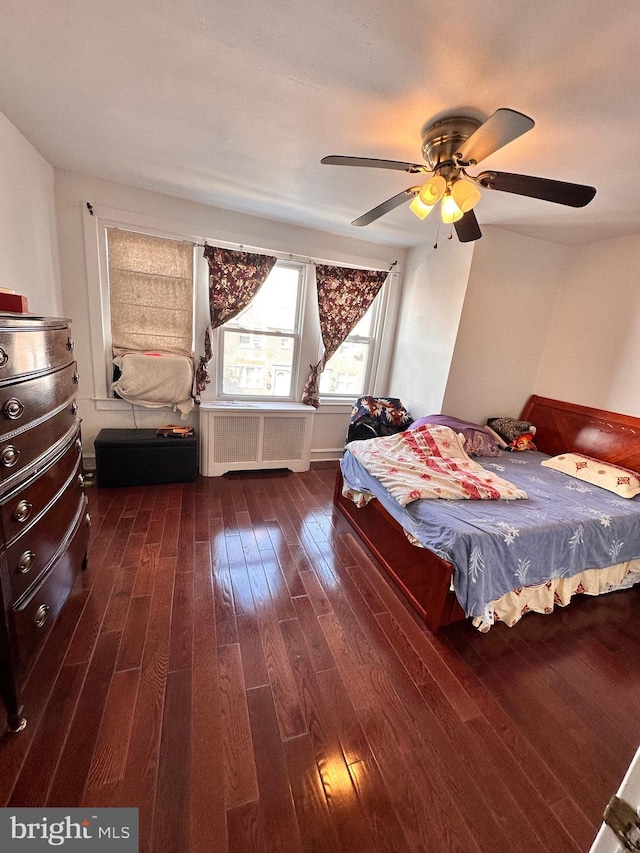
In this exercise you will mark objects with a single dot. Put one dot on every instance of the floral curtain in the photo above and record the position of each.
(344, 295)
(234, 279)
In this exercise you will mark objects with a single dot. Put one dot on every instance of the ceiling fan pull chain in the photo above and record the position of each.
(435, 245)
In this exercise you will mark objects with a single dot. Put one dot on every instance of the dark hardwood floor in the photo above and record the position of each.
(233, 664)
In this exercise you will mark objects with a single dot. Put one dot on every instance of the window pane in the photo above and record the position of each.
(274, 306)
(346, 370)
(257, 365)
(363, 326)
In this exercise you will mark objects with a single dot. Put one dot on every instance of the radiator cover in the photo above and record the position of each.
(253, 436)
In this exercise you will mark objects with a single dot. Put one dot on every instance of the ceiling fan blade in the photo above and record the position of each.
(467, 228)
(500, 128)
(338, 160)
(560, 192)
(386, 206)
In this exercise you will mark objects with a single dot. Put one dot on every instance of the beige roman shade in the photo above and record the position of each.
(150, 292)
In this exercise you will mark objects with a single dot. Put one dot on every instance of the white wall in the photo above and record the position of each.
(592, 352)
(28, 235)
(435, 284)
(513, 284)
(73, 191)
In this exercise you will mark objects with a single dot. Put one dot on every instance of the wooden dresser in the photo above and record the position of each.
(43, 507)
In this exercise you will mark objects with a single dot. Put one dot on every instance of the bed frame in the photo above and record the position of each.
(424, 578)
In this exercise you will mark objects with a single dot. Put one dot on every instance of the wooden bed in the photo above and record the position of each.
(424, 578)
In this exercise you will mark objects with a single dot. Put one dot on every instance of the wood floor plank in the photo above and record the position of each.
(343, 720)
(240, 783)
(171, 825)
(285, 694)
(110, 754)
(245, 830)
(181, 649)
(316, 829)
(278, 812)
(138, 785)
(430, 818)
(147, 568)
(254, 665)
(320, 652)
(134, 634)
(387, 829)
(207, 805)
(71, 775)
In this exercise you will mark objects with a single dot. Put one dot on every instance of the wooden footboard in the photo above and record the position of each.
(424, 578)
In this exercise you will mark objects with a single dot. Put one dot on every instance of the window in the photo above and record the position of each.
(348, 371)
(257, 349)
(262, 354)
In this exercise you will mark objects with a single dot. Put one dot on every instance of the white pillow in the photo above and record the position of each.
(621, 481)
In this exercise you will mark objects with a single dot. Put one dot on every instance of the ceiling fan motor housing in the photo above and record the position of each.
(443, 139)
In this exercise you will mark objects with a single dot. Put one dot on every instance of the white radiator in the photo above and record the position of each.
(245, 436)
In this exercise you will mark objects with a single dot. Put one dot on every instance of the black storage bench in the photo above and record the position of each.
(139, 457)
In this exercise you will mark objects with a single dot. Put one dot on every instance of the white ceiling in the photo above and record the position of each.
(234, 102)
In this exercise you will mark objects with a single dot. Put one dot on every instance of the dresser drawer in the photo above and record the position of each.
(32, 350)
(30, 399)
(22, 507)
(35, 616)
(32, 553)
(20, 451)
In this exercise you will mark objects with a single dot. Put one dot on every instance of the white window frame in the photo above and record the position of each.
(296, 337)
(96, 221)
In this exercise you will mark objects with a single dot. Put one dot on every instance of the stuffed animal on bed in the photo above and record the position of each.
(515, 435)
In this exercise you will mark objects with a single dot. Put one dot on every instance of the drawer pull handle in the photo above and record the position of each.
(74, 408)
(76, 378)
(70, 344)
(81, 481)
(10, 456)
(87, 519)
(13, 409)
(25, 562)
(41, 615)
(4, 357)
(22, 511)
(78, 445)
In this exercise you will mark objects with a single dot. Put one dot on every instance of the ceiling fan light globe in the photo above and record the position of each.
(450, 210)
(432, 191)
(420, 209)
(465, 194)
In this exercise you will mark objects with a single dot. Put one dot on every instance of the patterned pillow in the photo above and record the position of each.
(621, 481)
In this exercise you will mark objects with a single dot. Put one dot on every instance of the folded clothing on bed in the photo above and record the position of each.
(430, 462)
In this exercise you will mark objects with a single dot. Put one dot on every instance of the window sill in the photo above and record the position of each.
(331, 405)
(110, 403)
(253, 405)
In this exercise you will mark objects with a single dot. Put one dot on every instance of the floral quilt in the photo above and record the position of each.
(430, 462)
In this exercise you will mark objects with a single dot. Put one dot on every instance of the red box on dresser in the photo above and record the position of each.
(13, 302)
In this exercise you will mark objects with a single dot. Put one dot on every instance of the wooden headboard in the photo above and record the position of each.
(595, 432)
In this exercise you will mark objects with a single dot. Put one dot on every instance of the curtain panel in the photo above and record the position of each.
(234, 279)
(344, 296)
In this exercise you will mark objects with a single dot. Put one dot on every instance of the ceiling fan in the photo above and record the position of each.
(450, 146)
